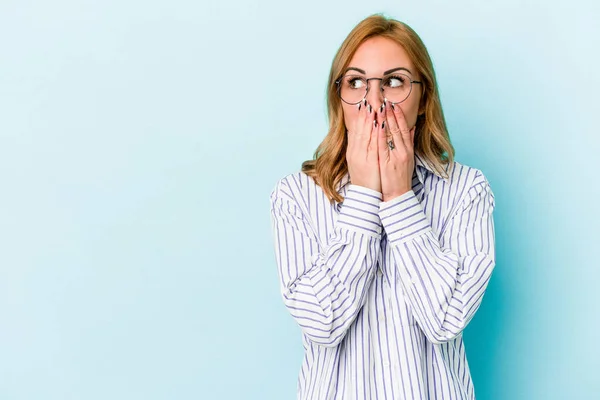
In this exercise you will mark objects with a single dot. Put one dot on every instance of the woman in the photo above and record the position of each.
(384, 244)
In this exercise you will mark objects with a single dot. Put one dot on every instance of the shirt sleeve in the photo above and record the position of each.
(324, 287)
(443, 279)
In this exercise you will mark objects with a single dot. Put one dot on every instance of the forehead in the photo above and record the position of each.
(378, 54)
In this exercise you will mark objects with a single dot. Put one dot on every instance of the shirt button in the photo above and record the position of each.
(379, 273)
(413, 280)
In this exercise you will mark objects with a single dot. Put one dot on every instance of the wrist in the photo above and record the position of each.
(392, 196)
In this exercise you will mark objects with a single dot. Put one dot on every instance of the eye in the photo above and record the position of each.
(395, 81)
(355, 82)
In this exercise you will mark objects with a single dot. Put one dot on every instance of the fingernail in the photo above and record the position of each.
(375, 122)
(392, 104)
(381, 109)
(359, 106)
(383, 125)
(365, 102)
(370, 109)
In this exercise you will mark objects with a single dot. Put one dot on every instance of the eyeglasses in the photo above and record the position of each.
(353, 89)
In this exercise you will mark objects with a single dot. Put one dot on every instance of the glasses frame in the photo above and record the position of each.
(338, 90)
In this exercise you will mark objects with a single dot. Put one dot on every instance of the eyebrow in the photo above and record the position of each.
(385, 73)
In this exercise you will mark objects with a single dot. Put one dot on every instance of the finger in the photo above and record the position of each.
(381, 113)
(382, 147)
(398, 126)
(373, 136)
(382, 139)
(373, 153)
(366, 123)
(369, 125)
(392, 124)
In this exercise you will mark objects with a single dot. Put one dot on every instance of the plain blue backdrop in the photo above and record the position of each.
(139, 142)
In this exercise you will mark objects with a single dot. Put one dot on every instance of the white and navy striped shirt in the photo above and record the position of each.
(383, 290)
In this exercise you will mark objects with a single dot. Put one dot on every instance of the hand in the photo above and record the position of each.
(361, 154)
(396, 166)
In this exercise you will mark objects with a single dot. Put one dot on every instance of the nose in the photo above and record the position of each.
(375, 95)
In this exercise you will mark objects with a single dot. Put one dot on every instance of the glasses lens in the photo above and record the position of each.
(396, 88)
(353, 88)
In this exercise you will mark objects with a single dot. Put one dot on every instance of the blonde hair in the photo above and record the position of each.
(432, 141)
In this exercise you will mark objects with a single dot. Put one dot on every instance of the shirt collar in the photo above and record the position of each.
(422, 166)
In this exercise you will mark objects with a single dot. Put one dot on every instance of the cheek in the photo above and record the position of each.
(411, 112)
(350, 114)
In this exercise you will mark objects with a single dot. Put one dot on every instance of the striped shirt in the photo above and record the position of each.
(383, 290)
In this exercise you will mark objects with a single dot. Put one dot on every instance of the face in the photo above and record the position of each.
(375, 56)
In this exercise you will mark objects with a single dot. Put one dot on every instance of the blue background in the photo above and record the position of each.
(136, 257)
